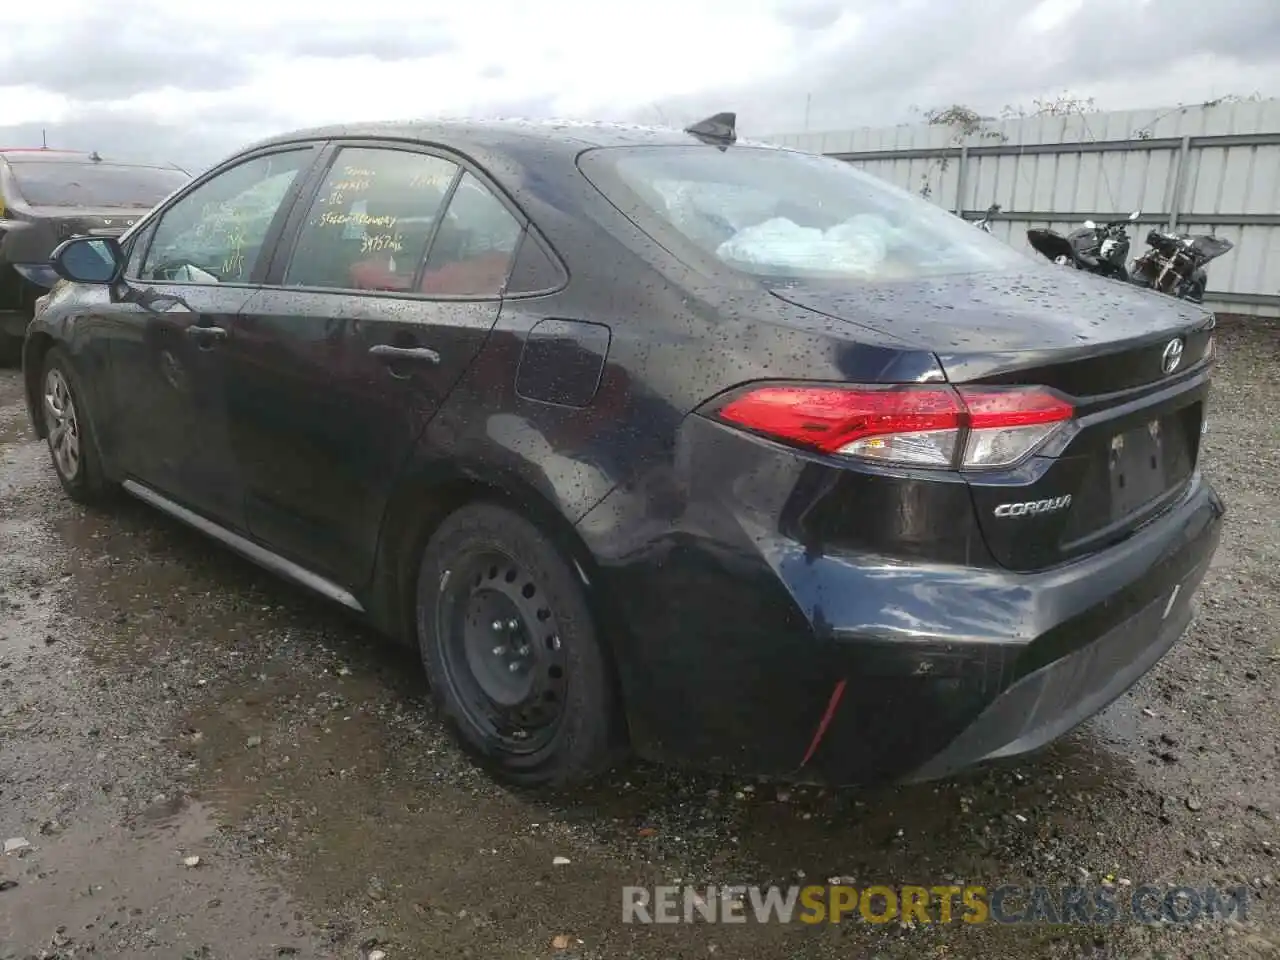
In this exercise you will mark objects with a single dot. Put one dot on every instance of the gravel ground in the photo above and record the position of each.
(161, 700)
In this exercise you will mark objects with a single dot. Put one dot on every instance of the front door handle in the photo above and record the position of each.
(384, 351)
(197, 332)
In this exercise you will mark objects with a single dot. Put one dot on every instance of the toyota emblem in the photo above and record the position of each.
(1172, 356)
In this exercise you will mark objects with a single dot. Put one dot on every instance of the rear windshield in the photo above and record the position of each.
(49, 183)
(786, 215)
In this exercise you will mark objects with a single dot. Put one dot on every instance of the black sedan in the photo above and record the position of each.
(47, 196)
(728, 454)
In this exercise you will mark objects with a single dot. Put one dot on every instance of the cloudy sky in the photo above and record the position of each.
(190, 83)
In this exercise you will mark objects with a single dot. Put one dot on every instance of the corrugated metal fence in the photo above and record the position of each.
(1202, 169)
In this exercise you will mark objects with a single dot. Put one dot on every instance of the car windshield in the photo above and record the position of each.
(67, 183)
(785, 215)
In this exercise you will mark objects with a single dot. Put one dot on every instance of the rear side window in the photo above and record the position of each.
(396, 221)
(534, 270)
(472, 252)
(66, 183)
(216, 232)
(370, 223)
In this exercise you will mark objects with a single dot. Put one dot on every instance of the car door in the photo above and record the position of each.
(192, 269)
(383, 300)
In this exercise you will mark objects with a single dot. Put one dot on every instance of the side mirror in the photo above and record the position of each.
(1135, 215)
(96, 260)
(1090, 225)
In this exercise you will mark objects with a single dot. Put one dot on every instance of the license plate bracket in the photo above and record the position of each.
(1137, 467)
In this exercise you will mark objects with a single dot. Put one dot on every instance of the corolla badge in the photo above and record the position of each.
(1172, 356)
(1034, 508)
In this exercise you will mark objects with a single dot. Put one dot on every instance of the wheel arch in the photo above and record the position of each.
(96, 400)
(428, 494)
(36, 348)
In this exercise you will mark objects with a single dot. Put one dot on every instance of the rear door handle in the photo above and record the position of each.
(198, 332)
(384, 351)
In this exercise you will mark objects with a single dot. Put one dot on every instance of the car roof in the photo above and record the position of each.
(571, 136)
(41, 155)
(47, 155)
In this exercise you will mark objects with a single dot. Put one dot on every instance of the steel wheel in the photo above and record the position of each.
(509, 644)
(63, 423)
(502, 651)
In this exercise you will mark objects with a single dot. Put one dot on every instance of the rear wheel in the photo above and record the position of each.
(511, 650)
(72, 444)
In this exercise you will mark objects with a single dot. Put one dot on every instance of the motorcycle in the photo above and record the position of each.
(985, 223)
(1097, 248)
(1175, 264)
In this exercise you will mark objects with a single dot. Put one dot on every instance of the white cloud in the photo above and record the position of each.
(200, 80)
(30, 104)
(1052, 13)
(581, 57)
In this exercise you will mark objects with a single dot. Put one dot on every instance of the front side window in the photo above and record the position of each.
(783, 215)
(370, 223)
(137, 248)
(216, 232)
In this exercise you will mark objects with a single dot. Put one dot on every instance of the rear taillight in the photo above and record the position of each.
(921, 426)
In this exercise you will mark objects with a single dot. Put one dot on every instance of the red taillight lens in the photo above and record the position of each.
(923, 426)
(868, 422)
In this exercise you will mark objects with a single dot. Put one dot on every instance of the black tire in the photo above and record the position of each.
(81, 476)
(486, 566)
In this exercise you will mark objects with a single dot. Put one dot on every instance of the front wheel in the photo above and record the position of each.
(72, 444)
(512, 652)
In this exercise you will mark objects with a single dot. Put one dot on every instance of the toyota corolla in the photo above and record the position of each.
(652, 439)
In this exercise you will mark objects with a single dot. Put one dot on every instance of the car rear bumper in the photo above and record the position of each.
(1050, 701)
(858, 669)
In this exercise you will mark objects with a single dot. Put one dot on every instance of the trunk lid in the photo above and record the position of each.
(106, 221)
(1110, 348)
(33, 236)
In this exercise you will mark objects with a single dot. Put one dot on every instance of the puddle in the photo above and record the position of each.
(96, 886)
